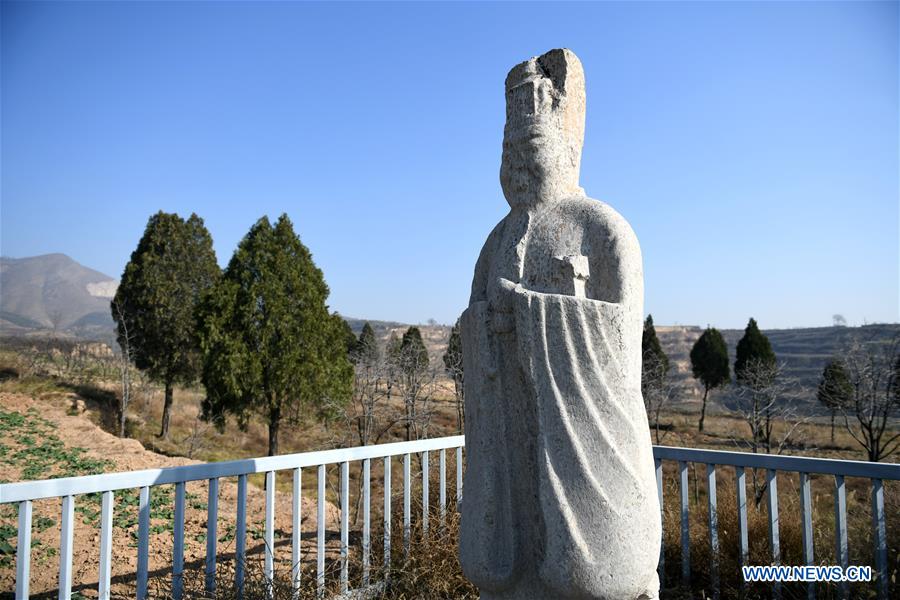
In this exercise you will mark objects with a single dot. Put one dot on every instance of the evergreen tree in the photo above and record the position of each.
(392, 363)
(414, 355)
(270, 346)
(172, 267)
(754, 354)
(655, 364)
(453, 365)
(366, 350)
(835, 391)
(709, 362)
(348, 335)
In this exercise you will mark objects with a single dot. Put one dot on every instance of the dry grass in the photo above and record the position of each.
(430, 569)
(790, 531)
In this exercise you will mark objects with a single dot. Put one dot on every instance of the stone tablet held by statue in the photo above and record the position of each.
(560, 492)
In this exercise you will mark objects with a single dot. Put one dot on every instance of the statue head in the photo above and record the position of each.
(544, 130)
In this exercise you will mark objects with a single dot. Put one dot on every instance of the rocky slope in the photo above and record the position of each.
(53, 292)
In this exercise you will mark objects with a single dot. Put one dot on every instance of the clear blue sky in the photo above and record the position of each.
(752, 146)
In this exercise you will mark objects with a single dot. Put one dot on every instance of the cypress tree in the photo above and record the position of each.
(366, 350)
(172, 267)
(414, 355)
(709, 362)
(753, 352)
(270, 345)
(453, 365)
(835, 391)
(348, 335)
(453, 356)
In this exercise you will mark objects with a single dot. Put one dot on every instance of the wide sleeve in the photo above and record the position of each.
(487, 544)
(596, 479)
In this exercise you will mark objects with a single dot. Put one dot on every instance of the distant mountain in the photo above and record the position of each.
(53, 292)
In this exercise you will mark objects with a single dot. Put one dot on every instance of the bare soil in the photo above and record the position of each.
(63, 416)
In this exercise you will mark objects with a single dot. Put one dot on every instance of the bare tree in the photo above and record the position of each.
(417, 387)
(196, 440)
(761, 400)
(125, 347)
(56, 319)
(369, 414)
(839, 320)
(416, 381)
(657, 391)
(873, 370)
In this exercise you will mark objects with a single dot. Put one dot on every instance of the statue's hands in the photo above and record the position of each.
(501, 304)
(508, 289)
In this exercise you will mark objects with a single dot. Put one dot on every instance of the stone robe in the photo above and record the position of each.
(559, 492)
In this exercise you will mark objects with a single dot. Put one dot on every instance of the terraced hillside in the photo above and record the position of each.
(804, 353)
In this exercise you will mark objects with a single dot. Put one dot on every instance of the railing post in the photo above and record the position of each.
(880, 537)
(212, 518)
(442, 485)
(459, 475)
(178, 543)
(23, 551)
(240, 537)
(774, 541)
(807, 532)
(367, 501)
(143, 542)
(685, 526)
(345, 519)
(65, 548)
(406, 505)
(387, 515)
(106, 522)
(743, 545)
(713, 527)
(269, 565)
(425, 506)
(320, 533)
(842, 554)
(296, 531)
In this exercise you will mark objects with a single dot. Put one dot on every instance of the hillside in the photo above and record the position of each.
(804, 353)
(53, 292)
(434, 336)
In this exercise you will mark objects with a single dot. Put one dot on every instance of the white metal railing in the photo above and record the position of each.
(107, 484)
(69, 488)
(772, 464)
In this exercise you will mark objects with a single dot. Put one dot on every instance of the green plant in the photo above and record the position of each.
(172, 267)
(270, 345)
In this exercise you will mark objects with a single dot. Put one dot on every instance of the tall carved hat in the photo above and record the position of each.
(550, 86)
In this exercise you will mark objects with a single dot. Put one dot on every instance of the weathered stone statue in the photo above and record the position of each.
(560, 493)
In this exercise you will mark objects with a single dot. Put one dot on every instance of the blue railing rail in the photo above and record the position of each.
(68, 489)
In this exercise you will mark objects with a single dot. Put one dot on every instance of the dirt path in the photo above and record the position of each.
(50, 436)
